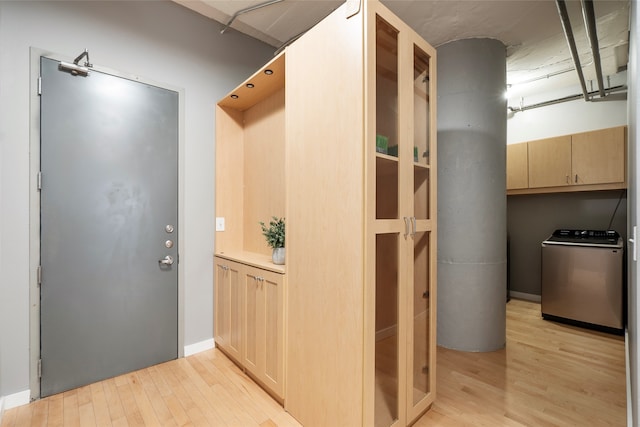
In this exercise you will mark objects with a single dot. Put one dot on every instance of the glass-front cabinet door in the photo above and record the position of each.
(401, 231)
(388, 242)
(422, 265)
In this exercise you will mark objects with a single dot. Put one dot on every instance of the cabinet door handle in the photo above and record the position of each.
(413, 226)
(224, 267)
(406, 226)
(568, 179)
(576, 178)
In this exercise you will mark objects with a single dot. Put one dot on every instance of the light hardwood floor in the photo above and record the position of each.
(548, 375)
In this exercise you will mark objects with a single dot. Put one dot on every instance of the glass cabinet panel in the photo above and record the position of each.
(420, 317)
(420, 106)
(386, 347)
(421, 133)
(386, 120)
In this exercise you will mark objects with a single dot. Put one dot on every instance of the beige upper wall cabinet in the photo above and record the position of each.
(587, 161)
(517, 166)
(338, 135)
(598, 157)
(550, 162)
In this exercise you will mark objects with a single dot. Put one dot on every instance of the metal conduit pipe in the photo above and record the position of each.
(247, 9)
(568, 33)
(589, 16)
(564, 99)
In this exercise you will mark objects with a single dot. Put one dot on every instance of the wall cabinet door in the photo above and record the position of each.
(550, 162)
(594, 160)
(264, 327)
(517, 166)
(228, 307)
(598, 156)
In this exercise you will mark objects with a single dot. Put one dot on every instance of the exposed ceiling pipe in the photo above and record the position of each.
(248, 9)
(568, 33)
(589, 16)
(522, 107)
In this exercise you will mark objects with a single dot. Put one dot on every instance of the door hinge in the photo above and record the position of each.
(425, 295)
(39, 368)
(39, 275)
(425, 370)
(39, 85)
(39, 180)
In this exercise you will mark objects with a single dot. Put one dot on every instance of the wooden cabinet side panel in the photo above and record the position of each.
(325, 223)
(517, 166)
(264, 169)
(229, 178)
(598, 157)
(549, 162)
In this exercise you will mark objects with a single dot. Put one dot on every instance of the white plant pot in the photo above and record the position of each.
(278, 256)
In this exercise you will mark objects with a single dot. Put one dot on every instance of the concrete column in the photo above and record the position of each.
(472, 209)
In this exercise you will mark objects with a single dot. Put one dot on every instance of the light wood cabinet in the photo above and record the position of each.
(229, 305)
(598, 157)
(249, 320)
(550, 162)
(263, 354)
(338, 135)
(249, 312)
(594, 160)
(361, 254)
(517, 166)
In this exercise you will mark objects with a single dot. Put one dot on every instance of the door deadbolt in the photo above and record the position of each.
(168, 228)
(168, 244)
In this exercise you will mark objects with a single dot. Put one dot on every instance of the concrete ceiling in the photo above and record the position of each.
(538, 57)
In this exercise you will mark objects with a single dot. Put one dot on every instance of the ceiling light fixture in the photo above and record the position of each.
(268, 72)
(250, 85)
(234, 96)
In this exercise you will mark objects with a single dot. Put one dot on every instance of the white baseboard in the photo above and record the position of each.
(16, 399)
(13, 400)
(198, 347)
(526, 297)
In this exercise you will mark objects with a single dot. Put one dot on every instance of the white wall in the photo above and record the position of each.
(565, 118)
(157, 40)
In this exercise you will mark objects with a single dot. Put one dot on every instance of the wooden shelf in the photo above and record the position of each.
(253, 259)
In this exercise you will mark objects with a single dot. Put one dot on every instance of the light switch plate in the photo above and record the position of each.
(219, 223)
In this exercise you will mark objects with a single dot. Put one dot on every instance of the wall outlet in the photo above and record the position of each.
(219, 223)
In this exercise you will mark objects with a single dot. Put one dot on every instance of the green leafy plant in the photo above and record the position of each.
(274, 233)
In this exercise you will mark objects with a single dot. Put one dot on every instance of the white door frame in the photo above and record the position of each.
(34, 206)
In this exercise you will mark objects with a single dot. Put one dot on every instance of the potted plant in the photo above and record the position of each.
(274, 233)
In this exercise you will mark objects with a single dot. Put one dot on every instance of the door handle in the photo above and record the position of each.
(168, 260)
(406, 226)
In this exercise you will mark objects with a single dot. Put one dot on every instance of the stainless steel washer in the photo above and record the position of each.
(582, 278)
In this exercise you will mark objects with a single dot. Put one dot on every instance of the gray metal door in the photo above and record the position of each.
(109, 210)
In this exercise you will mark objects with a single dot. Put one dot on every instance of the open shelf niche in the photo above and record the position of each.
(250, 132)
